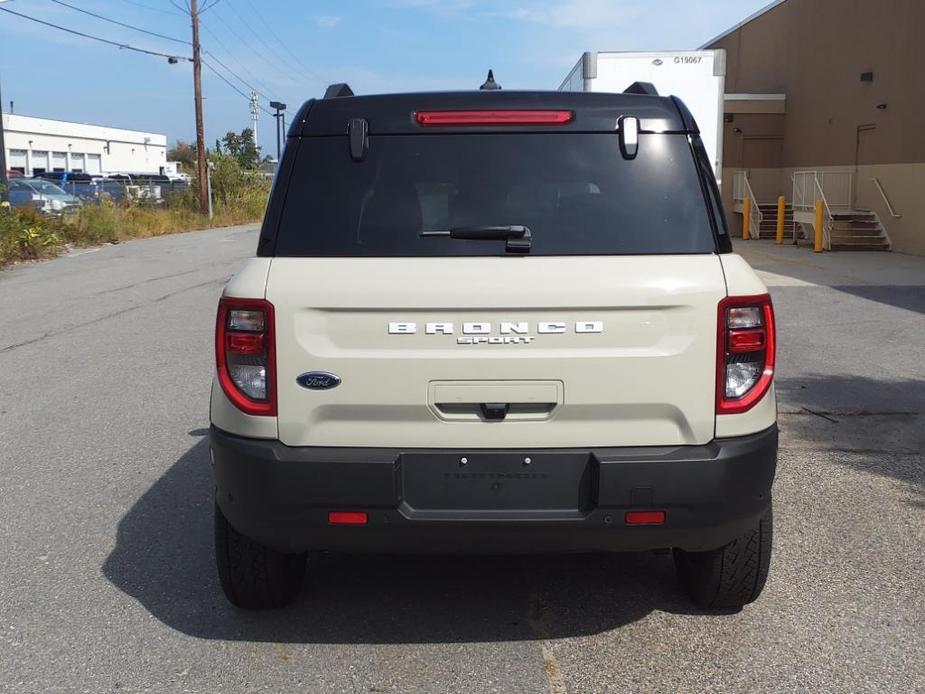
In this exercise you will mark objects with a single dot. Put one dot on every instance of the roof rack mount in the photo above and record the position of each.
(641, 88)
(336, 91)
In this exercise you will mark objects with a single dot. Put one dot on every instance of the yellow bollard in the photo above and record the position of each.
(817, 245)
(781, 211)
(746, 216)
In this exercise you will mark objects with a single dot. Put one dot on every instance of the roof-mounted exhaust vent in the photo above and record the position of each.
(335, 91)
(490, 83)
(641, 88)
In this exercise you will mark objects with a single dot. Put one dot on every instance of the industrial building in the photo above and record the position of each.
(38, 145)
(825, 100)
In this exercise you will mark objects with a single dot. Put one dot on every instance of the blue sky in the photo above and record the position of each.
(291, 49)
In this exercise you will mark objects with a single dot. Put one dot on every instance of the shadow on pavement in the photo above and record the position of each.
(876, 426)
(846, 393)
(909, 297)
(164, 558)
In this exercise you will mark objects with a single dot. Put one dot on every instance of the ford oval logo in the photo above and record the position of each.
(318, 380)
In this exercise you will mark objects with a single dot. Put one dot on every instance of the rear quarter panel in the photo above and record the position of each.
(250, 282)
(741, 280)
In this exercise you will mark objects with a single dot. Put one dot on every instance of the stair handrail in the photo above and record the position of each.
(889, 206)
(800, 180)
(755, 216)
(828, 220)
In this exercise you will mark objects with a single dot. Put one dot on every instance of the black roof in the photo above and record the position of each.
(394, 113)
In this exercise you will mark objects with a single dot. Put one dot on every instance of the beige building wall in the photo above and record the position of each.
(814, 52)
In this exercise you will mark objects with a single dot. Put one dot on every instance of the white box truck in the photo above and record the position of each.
(697, 77)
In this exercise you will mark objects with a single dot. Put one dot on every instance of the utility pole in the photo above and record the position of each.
(254, 115)
(201, 163)
(4, 194)
(280, 107)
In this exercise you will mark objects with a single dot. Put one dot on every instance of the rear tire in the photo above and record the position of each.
(254, 576)
(733, 575)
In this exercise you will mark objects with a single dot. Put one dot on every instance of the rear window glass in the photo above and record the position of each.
(574, 191)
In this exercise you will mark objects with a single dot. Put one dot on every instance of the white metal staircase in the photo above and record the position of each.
(767, 229)
(844, 227)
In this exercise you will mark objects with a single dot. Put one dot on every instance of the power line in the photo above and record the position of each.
(123, 46)
(121, 24)
(230, 54)
(254, 33)
(149, 7)
(244, 42)
(274, 63)
(233, 86)
(285, 46)
(236, 76)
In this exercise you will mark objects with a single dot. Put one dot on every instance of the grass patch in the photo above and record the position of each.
(239, 197)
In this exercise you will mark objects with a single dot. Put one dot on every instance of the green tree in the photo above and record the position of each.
(185, 153)
(241, 147)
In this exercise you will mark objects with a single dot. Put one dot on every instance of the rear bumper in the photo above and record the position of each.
(428, 501)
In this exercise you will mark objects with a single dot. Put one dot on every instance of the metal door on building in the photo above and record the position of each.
(94, 164)
(39, 162)
(761, 157)
(863, 155)
(58, 161)
(17, 161)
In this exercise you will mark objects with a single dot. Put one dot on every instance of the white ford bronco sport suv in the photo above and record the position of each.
(494, 322)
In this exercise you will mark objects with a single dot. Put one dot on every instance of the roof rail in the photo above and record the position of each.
(338, 90)
(641, 88)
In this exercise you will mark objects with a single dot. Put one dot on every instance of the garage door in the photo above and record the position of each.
(94, 166)
(39, 161)
(58, 161)
(17, 160)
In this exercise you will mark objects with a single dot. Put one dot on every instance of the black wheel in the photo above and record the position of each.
(733, 575)
(254, 576)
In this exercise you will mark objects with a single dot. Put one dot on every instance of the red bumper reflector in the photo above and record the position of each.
(347, 517)
(534, 117)
(645, 517)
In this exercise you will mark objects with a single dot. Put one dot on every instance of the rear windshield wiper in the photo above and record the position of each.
(518, 237)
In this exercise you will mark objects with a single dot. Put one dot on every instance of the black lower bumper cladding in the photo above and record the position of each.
(493, 500)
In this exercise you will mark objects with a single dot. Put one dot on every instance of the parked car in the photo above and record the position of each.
(77, 183)
(61, 178)
(21, 195)
(44, 196)
(495, 322)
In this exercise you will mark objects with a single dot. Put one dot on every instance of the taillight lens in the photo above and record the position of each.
(745, 348)
(245, 354)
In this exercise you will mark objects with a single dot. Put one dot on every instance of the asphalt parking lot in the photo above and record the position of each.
(107, 581)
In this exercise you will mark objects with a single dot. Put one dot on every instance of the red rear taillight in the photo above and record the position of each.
(245, 354)
(744, 352)
(519, 117)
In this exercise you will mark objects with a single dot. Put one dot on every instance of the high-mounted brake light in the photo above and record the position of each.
(496, 117)
(245, 354)
(745, 352)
